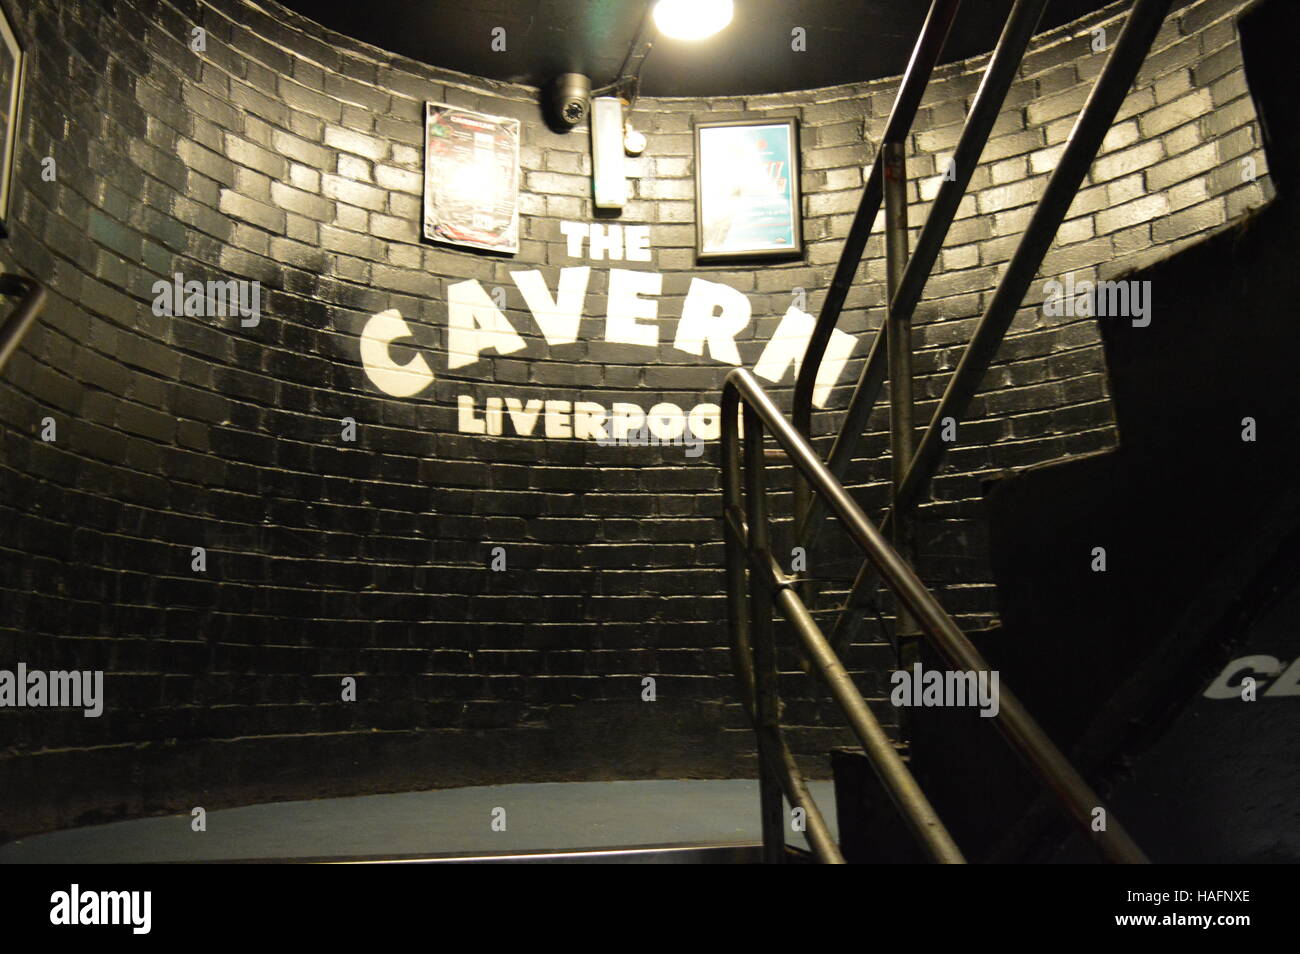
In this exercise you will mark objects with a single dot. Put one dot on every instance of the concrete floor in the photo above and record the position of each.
(538, 817)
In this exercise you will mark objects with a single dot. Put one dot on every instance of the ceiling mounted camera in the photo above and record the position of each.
(569, 99)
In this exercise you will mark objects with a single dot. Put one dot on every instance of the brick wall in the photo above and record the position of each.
(291, 156)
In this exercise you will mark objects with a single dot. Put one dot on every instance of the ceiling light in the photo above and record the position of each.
(692, 19)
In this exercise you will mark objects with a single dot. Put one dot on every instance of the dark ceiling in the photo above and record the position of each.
(847, 40)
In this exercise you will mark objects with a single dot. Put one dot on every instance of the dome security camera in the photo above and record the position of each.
(569, 99)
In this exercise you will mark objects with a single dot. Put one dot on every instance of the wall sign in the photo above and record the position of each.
(471, 178)
(747, 189)
(714, 317)
(11, 91)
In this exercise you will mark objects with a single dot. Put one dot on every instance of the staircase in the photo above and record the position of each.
(923, 634)
(1147, 700)
(1120, 677)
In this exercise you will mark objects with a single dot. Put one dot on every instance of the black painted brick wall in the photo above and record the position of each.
(290, 155)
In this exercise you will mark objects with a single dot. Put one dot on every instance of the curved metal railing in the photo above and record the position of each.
(915, 467)
(751, 567)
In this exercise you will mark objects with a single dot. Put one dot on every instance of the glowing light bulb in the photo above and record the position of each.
(692, 19)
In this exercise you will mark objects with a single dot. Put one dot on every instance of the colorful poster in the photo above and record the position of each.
(747, 189)
(471, 179)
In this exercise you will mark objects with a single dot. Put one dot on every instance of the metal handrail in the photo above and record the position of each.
(1085, 139)
(747, 543)
(21, 318)
(1081, 149)
(1001, 71)
(748, 546)
(929, 45)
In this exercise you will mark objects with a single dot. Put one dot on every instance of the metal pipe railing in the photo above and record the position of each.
(790, 778)
(897, 332)
(748, 544)
(775, 757)
(796, 792)
(915, 808)
(23, 317)
(925, 54)
(929, 45)
(985, 107)
(1081, 149)
(898, 325)
(766, 703)
(1019, 728)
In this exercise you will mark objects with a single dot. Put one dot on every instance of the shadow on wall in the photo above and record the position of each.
(1199, 518)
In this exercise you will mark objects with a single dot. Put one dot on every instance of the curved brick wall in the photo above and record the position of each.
(291, 156)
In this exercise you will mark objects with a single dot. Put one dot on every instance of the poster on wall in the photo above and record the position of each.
(747, 189)
(11, 91)
(471, 178)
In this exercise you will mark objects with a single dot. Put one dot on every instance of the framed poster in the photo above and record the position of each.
(747, 189)
(11, 95)
(471, 178)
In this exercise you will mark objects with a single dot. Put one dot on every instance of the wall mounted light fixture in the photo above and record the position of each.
(609, 181)
(612, 133)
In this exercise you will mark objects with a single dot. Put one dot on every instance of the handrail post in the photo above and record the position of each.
(737, 611)
(766, 694)
(736, 536)
(898, 331)
(1003, 67)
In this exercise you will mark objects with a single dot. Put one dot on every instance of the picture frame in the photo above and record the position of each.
(747, 198)
(12, 67)
(471, 179)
